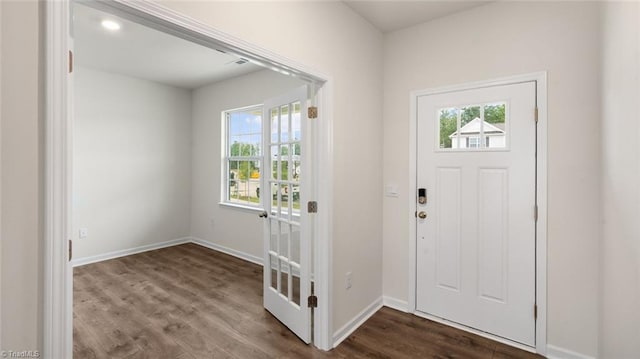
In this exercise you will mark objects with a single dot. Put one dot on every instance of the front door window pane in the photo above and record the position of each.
(495, 130)
(473, 127)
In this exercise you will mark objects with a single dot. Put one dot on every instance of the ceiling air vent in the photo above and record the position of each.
(241, 61)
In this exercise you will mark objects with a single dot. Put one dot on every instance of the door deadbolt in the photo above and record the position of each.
(422, 195)
(422, 214)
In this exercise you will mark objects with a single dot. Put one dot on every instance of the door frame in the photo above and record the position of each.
(541, 197)
(57, 336)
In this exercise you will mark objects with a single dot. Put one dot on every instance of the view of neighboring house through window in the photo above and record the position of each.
(243, 147)
(473, 127)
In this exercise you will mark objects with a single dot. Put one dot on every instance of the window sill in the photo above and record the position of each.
(241, 207)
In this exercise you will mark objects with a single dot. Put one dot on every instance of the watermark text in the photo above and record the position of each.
(20, 354)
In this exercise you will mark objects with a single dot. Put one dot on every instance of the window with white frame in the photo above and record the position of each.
(242, 156)
(473, 142)
(473, 127)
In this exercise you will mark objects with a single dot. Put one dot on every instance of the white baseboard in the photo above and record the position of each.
(174, 242)
(396, 304)
(232, 252)
(127, 252)
(554, 352)
(346, 330)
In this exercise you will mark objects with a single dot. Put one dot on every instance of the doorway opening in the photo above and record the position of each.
(478, 243)
(62, 223)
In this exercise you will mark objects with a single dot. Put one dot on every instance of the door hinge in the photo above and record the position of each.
(535, 114)
(312, 301)
(70, 250)
(535, 213)
(312, 207)
(70, 61)
(312, 112)
(535, 312)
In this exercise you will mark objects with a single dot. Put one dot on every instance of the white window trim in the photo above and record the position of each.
(226, 157)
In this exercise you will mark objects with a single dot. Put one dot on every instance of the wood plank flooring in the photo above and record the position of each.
(188, 302)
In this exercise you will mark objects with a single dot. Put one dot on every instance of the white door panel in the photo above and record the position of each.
(285, 179)
(476, 248)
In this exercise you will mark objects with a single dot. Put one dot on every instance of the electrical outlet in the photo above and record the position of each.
(348, 280)
(83, 233)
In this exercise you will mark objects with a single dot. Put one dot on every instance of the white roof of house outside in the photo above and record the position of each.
(473, 127)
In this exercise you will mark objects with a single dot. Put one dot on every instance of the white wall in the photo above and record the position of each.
(132, 162)
(497, 40)
(332, 38)
(147, 161)
(620, 248)
(22, 177)
(233, 228)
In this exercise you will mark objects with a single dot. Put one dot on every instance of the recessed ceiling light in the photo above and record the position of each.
(110, 25)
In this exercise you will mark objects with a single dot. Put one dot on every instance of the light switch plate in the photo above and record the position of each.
(391, 190)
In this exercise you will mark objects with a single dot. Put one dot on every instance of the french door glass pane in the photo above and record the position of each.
(275, 123)
(284, 123)
(296, 126)
(284, 279)
(274, 272)
(295, 244)
(273, 246)
(295, 287)
(282, 160)
(296, 170)
(274, 162)
(284, 241)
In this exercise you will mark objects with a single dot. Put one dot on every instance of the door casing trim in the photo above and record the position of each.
(57, 335)
(541, 191)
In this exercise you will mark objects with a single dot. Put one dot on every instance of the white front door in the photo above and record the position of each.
(476, 162)
(286, 180)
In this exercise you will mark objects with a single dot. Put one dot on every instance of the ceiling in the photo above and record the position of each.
(142, 52)
(139, 51)
(391, 15)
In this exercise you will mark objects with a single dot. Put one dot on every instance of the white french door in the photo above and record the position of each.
(476, 162)
(287, 237)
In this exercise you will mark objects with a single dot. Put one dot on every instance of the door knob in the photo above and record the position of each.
(422, 214)
(264, 214)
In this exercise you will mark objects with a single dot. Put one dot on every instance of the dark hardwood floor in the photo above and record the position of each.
(188, 301)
